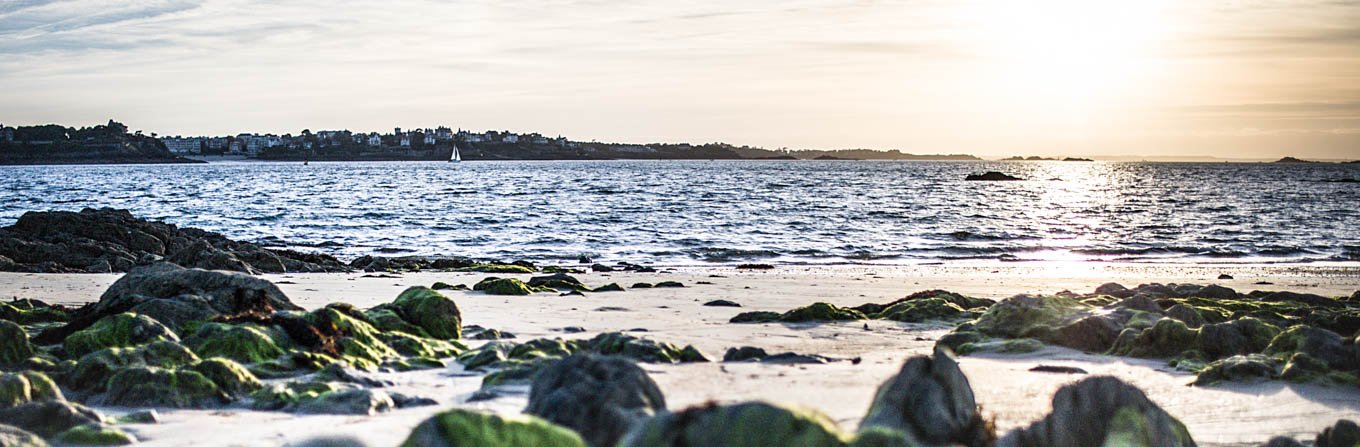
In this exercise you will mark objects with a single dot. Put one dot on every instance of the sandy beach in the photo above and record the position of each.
(865, 353)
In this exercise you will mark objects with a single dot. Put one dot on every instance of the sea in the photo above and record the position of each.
(736, 212)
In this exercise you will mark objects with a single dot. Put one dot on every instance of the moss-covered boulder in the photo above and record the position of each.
(94, 434)
(1003, 346)
(486, 355)
(1236, 337)
(821, 312)
(929, 402)
(1167, 338)
(121, 330)
(916, 311)
(755, 317)
(48, 418)
(435, 314)
(31, 311)
(611, 287)
(18, 388)
(1025, 315)
(415, 346)
(642, 349)
(559, 281)
(1320, 344)
(11, 436)
(322, 398)
(1102, 411)
(14, 345)
(468, 428)
(245, 343)
(356, 342)
(1094, 333)
(440, 285)
(149, 386)
(94, 371)
(230, 377)
(497, 268)
(752, 424)
(504, 286)
(1239, 368)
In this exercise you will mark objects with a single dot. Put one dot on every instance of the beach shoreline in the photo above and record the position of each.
(863, 354)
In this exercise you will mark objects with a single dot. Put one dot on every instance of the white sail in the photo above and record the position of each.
(454, 158)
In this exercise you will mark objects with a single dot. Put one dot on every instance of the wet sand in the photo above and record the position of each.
(1233, 414)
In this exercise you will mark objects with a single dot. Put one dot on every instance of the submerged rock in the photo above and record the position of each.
(991, 176)
(1101, 411)
(931, 403)
(468, 428)
(602, 398)
(751, 424)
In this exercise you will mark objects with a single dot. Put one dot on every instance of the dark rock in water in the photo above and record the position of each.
(1101, 411)
(49, 418)
(991, 176)
(1217, 292)
(466, 428)
(722, 303)
(1114, 290)
(11, 436)
(1058, 369)
(107, 240)
(174, 295)
(750, 424)
(600, 397)
(1225, 276)
(1091, 334)
(1344, 433)
(931, 403)
(14, 345)
(744, 353)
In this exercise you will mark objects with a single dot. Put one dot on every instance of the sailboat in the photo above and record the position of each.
(454, 157)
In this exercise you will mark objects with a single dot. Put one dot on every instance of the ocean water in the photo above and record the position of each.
(700, 212)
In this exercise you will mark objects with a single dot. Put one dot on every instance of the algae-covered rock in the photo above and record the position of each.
(600, 397)
(497, 268)
(955, 340)
(930, 403)
(1239, 368)
(642, 349)
(245, 343)
(916, 311)
(11, 436)
(468, 428)
(1094, 333)
(48, 418)
(1321, 344)
(559, 281)
(1005, 346)
(31, 311)
(229, 376)
(357, 342)
(1243, 336)
(821, 312)
(503, 286)
(1101, 411)
(433, 312)
(14, 345)
(322, 398)
(540, 348)
(121, 330)
(755, 317)
(411, 345)
(1167, 338)
(27, 386)
(611, 287)
(486, 355)
(1303, 368)
(880, 437)
(1025, 315)
(94, 434)
(668, 284)
(751, 424)
(1186, 314)
(93, 371)
(144, 386)
(440, 285)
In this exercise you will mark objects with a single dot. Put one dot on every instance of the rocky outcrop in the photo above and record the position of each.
(108, 240)
(600, 397)
(1101, 411)
(991, 176)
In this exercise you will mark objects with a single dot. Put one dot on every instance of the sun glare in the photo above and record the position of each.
(1068, 53)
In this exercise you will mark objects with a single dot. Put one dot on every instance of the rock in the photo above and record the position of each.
(1058, 369)
(94, 434)
(642, 285)
(1243, 336)
(503, 286)
(108, 240)
(31, 311)
(611, 287)
(955, 340)
(1326, 346)
(175, 296)
(1101, 411)
(1302, 298)
(1187, 315)
(991, 176)
(14, 345)
(121, 330)
(1281, 441)
(245, 343)
(11, 436)
(488, 354)
(93, 371)
(931, 402)
(601, 268)
(921, 310)
(492, 334)
(437, 315)
(1239, 368)
(1026, 315)
(348, 401)
(468, 428)
(751, 424)
(820, 312)
(1091, 334)
(48, 418)
(755, 317)
(668, 284)
(1343, 434)
(1114, 290)
(642, 349)
(559, 281)
(330, 441)
(157, 387)
(754, 267)
(1009, 346)
(1166, 338)
(722, 303)
(140, 417)
(22, 387)
(1138, 302)
(1214, 291)
(229, 377)
(744, 353)
(602, 398)
(1225, 276)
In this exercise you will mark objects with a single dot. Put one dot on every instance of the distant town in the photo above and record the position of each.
(114, 143)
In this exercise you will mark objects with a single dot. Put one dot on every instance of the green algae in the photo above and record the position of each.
(467, 428)
(121, 330)
(921, 310)
(751, 424)
(94, 434)
(245, 343)
(229, 376)
(14, 345)
(507, 286)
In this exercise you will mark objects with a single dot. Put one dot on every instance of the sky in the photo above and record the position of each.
(1232, 79)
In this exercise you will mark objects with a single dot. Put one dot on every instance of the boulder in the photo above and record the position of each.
(755, 317)
(1091, 334)
(1026, 315)
(22, 387)
(821, 312)
(503, 286)
(121, 330)
(1242, 336)
(1187, 315)
(14, 345)
(149, 386)
(355, 401)
(1239, 368)
(916, 311)
(722, 303)
(11, 436)
(559, 281)
(1101, 411)
(1321, 344)
(1344, 433)
(468, 428)
(751, 424)
(1214, 291)
(1167, 338)
(1114, 289)
(1302, 298)
(93, 371)
(94, 434)
(230, 377)
(245, 343)
(600, 397)
(50, 417)
(744, 353)
(931, 402)
(991, 176)
(431, 311)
